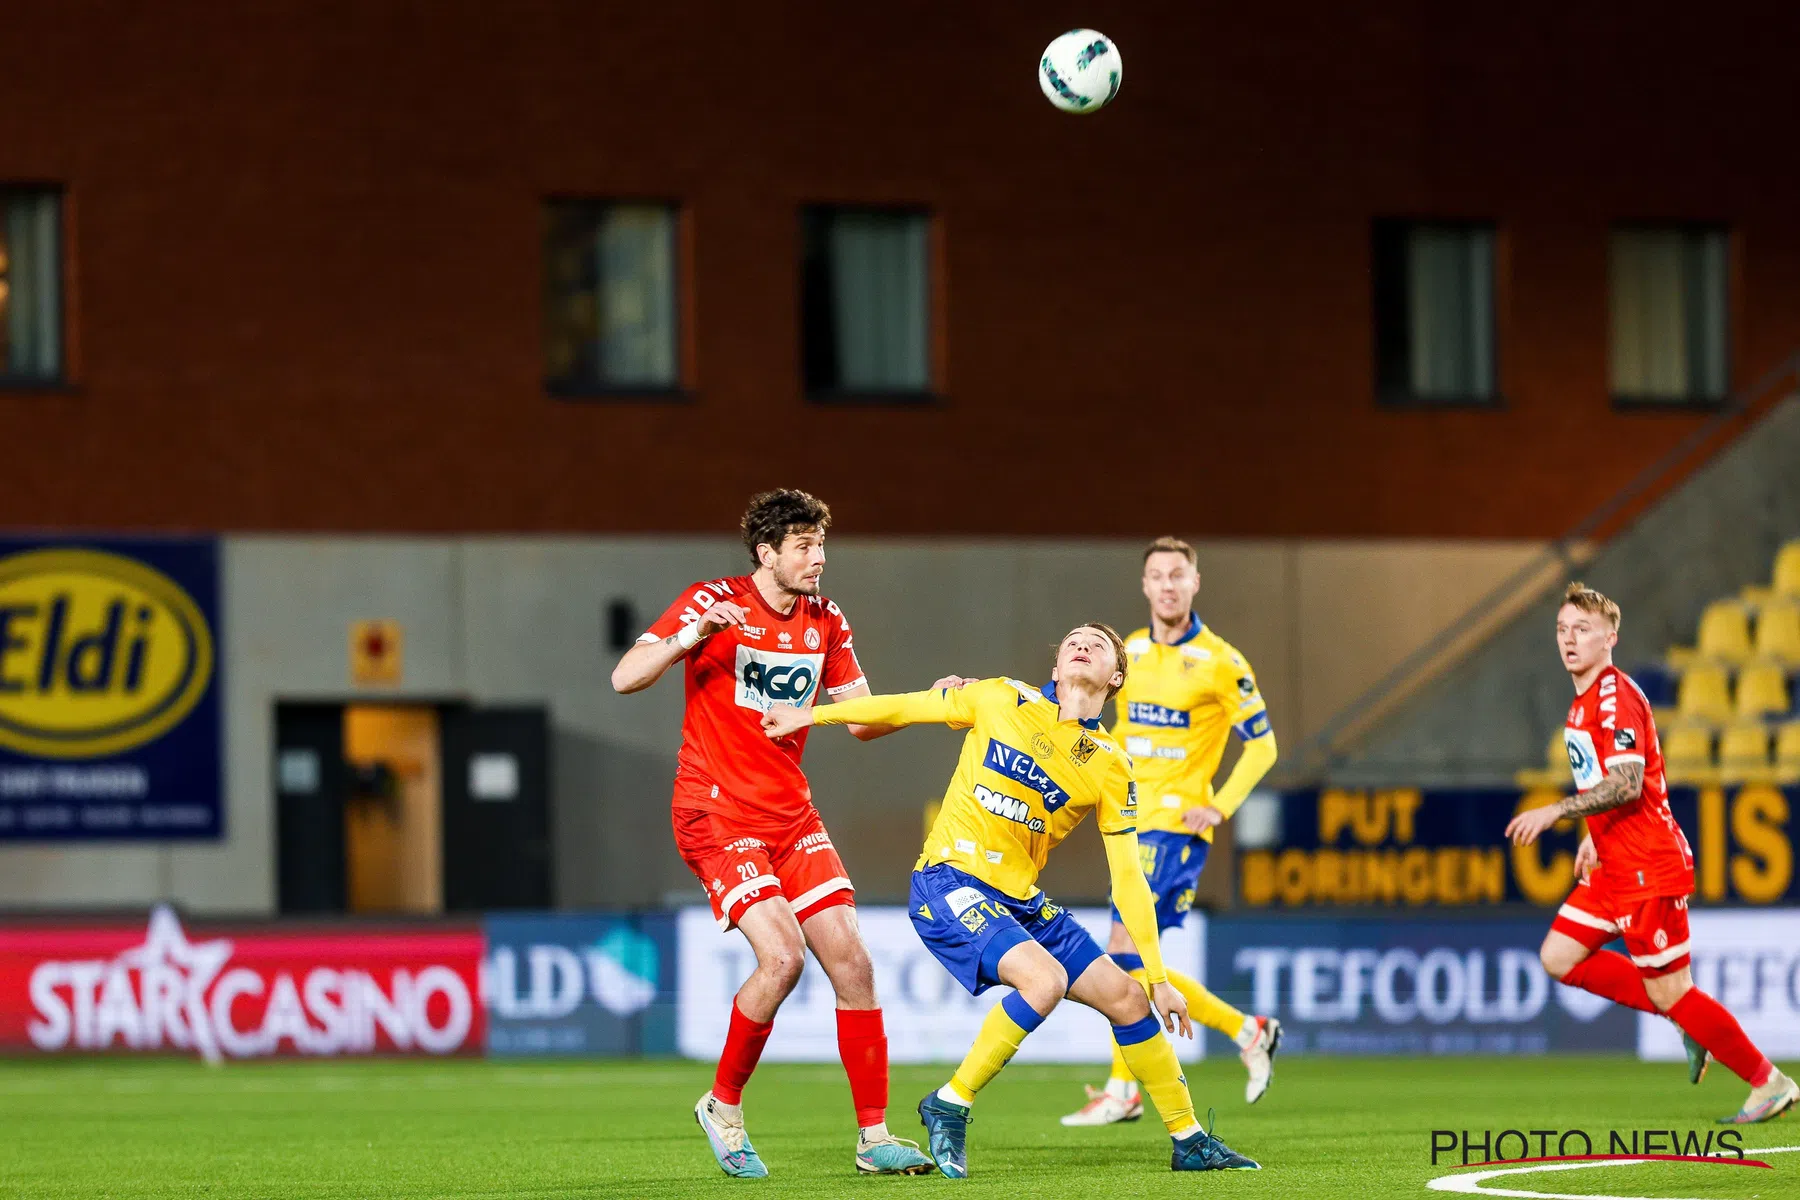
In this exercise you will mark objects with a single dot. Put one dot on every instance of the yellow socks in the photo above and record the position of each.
(1006, 1026)
(1203, 1007)
(1149, 1056)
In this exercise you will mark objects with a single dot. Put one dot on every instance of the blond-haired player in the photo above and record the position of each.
(1634, 870)
(1188, 691)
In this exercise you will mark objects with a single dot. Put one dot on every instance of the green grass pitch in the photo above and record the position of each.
(1329, 1128)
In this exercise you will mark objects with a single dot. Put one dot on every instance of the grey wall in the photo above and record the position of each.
(1495, 711)
(521, 620)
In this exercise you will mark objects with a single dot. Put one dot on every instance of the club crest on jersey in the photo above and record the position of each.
(1016, 764)
(812, 639)
(767, 677)
(1083, 749)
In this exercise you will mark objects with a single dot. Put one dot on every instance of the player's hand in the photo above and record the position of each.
(951, 681)
(1529, 825)
(1199, 820)
(720, 615)
(1586, 858)
(1173, 1006)
(784, 720)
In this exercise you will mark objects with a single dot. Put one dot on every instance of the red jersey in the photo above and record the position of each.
(1643, 852)
(727, 764)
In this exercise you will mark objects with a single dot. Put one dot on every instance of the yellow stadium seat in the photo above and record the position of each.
(1725, 632)
(1554, 773)
(1744, 754)
(1687, 755)
(1755, 595)
(1778, 632)
(1664, 717)
(1786, 581)
(1787, 752)
(1680, 658)
(1704, 694)
(1762, 691)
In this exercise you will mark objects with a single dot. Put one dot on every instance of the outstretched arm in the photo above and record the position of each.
(944, 705)
(1624, 783)
(645, 663)
(869, 732)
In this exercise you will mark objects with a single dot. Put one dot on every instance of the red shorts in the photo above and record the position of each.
(1655, 929)
(739, 870)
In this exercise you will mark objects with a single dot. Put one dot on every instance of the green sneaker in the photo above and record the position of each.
(1698, 1058)
(892, 1156)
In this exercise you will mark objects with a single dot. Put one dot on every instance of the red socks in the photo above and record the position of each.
(1716, 1029)
(743, 1046)
(1609, 973)
(862, 1044)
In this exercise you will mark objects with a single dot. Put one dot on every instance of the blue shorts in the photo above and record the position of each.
(1172, 865)
(967, 925)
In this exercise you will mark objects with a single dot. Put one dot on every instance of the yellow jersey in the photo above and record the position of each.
(1026, 777)
(1177, 707)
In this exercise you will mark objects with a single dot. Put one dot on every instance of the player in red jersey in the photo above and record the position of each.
(1634, 869)
(743, 813)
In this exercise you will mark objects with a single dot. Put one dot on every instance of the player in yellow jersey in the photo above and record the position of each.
(1189, 691)
(1035, 761)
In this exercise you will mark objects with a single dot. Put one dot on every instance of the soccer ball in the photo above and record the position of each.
(1080, 71)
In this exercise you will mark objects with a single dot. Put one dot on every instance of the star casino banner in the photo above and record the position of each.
(109, 690)
(580, 984)
(1407, 848)
(1384, 985)
(239, 991)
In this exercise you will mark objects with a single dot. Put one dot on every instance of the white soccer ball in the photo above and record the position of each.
(1080, 71)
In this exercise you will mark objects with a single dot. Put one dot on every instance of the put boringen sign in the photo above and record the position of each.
(1080, 71)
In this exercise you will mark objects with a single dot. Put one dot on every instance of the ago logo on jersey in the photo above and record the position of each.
(99, 653)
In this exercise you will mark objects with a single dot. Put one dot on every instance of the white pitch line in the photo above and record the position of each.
(1470, 1184)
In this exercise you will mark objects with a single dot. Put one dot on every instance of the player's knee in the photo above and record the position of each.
(1557, 961)
(1045, 987)
(1131, 1005)
(784, 961)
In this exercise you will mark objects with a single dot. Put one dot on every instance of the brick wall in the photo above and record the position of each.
(303, 242)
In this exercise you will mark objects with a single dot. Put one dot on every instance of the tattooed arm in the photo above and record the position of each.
(1623, 784)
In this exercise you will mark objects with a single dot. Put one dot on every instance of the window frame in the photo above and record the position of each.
(681, 390)
(1404, 398)
(932, 394)
(62, 380)
(1629, 402)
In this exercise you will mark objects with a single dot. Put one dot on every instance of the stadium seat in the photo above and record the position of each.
(1755, 595)
(1762, 691)
(1787, 753)
(1657, 682)
(1705, 694)
(1687, 755)
(1786, 581)
(1778, 632)
(1725, 632)
(1680, 658)
(1744, 754)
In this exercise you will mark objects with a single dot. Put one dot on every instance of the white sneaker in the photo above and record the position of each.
(1104, 1108)
(1259, 1058)
(1766, 1102)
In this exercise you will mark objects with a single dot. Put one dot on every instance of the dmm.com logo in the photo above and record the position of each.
(98, 653)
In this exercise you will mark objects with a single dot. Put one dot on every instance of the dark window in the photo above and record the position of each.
(30, 285)
(1434, 312)
(609, 297)
(864, 307)
(1669, 315)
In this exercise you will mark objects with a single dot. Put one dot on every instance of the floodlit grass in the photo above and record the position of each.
(1330, 1128)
